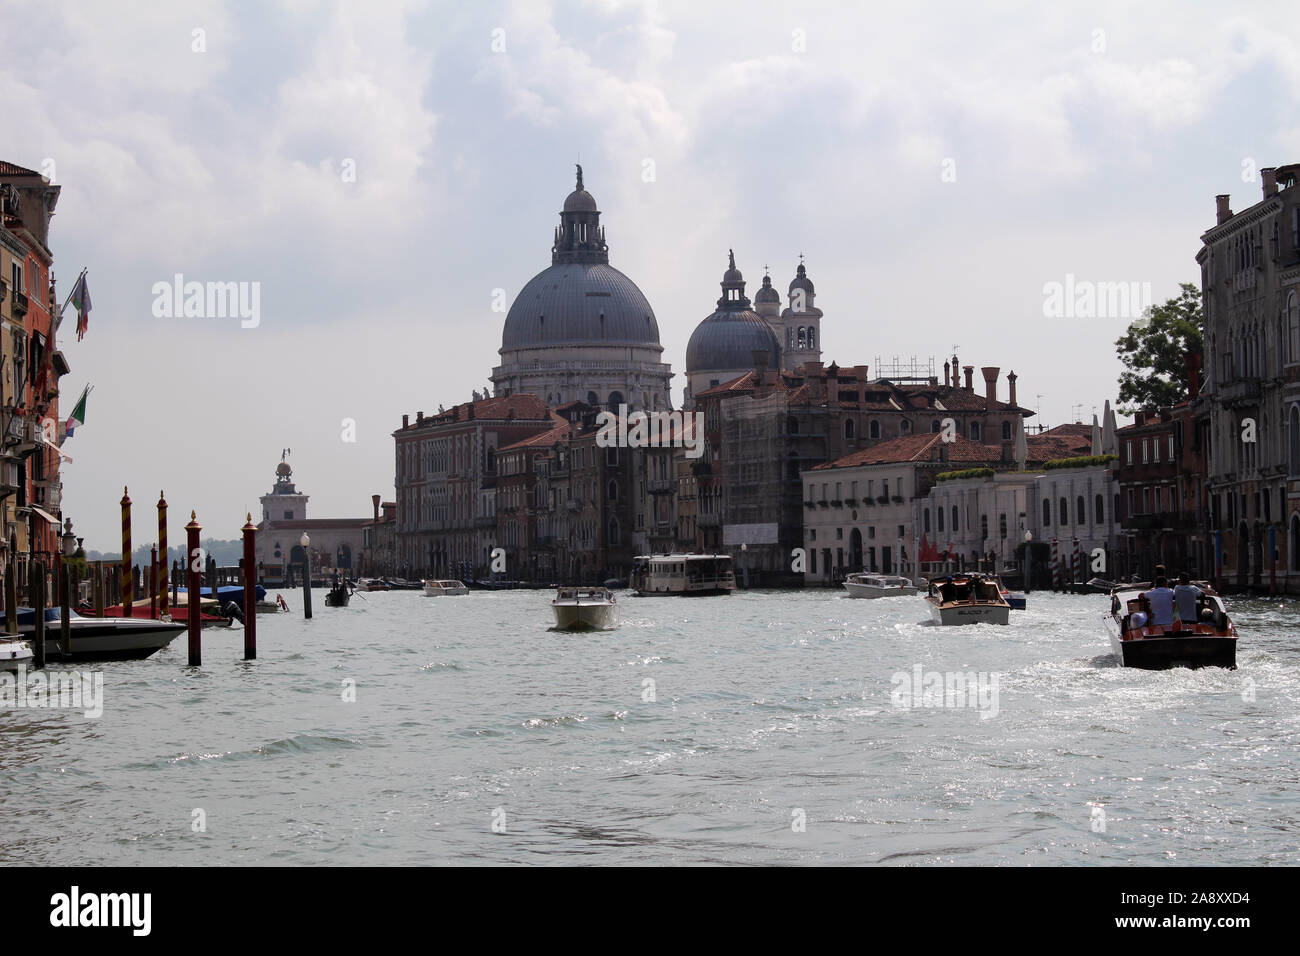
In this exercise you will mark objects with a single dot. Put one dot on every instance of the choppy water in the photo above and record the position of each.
(770, 710)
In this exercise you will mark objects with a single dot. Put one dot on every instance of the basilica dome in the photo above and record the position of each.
(727, 340)
(579, 303)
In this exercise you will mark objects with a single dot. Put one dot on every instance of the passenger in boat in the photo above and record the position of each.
(1186, 595)
(1161, 601)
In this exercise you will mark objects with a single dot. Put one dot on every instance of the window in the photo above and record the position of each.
(1128, 450)
(939, 514)
(984, 528)
(613, 491)
(974, 431)
(1078, 510)
(1293, 324)
(848, 428)
(1171, 447)
(1062, 515)
(1002, 525)
(839, 534)
(288, 516)
(1145, 456)
(905, 427)
(934, 426)
(1047, 513)
(874, 429)
(1099, 510)
(954, 518)
(1006, 431)
(925, 520)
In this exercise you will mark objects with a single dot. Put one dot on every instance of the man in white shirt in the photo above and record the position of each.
(1161, 599)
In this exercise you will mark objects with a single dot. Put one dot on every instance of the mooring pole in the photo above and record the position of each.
(176, 581)
(97, 585)
(127, 574)
(162, 555)
(153, 581)
(306, 583)
(193, 614)
(250, 590)
(11, 596)
(37, 585)
(65, 609)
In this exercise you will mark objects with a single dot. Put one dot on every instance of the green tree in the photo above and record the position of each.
(1154, 352)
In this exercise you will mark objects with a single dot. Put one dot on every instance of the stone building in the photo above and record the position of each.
(1250, 281)
(333, 543)
(581, 330)
(379, 541)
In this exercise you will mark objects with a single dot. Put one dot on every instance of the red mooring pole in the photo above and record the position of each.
(193, 614)
(128, 578)
(163, 557)
(250, 590)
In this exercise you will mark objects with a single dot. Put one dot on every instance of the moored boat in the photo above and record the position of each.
(585, 609)
(1139, 641)
(101, 638)
(1015, 599)
(14, 654)
(434, 588)
(967, 598)
(865, 584)
(687, 574)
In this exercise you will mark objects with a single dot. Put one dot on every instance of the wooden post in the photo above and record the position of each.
(306, 583)
(97, 586)
(153, 581)
(11, 596)
(212, 580)
(65, 609)
(126, 554)
(176, 582)
(192, 612)
(162, 554)
(250, 590)
(37, 585)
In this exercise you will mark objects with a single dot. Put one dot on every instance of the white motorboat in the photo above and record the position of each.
(868, 585)
(967, 598)
(1209, 641)
(434, 588)
(585, 609)
(101, 638)
(14, 654)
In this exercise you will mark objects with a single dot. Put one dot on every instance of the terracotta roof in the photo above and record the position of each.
(919, 448)
(879, 395)
(13, 169)
(544, 439)
(1048, 447)
(528, 408)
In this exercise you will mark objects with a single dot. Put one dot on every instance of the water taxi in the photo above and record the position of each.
(688, 574)
(1209, 641)
(967, 598)
(585, 609)
(434, 588)
(865, 584)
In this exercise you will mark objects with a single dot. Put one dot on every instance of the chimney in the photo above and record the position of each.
(969, 372)
(861, 372)
(419, 418)
(406, 421)
(1269, 175)
(1222, 212)
(374, 500)
(990, 374)
(1139, 417)
(1011, 384)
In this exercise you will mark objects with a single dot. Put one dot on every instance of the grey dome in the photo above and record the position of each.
(801, 280)
(728, 339)
(580, 201)
(767, 293)
(563, 305)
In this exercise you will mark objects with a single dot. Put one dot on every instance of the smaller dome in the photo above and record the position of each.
(767, 293)
(580, 201)
(801, 280)
(727, 340)
(283, 470)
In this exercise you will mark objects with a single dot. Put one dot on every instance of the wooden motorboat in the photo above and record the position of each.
(865, 584)
(585, 609)
(1138, 641)
(444, 588)
(967, 598)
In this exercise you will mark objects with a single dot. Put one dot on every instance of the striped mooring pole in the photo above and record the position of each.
(162, 554)
(127, 576)
(1056, 565)
(1075, 576)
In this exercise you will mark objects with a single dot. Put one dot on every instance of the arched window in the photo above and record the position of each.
(1006, 431)
(954, 518)
(848, 428)
(905, 427)
(1293, 328)
(803, 336)
(1063, 517)
(1047, 513)
(1293, 438)
(812, 338)
(934, 426)
(974, 431)
(593, 399)
(925, 519)
(613, 490)
(613, 533)
(874, 429)
(938, 513)
(1078, 510)
(615, 400)
(1099, 510)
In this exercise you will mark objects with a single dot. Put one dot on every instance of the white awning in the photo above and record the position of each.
(46, 515)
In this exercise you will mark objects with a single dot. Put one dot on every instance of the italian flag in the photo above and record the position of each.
(78, 416)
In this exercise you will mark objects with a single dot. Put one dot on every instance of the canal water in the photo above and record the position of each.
(763, 727)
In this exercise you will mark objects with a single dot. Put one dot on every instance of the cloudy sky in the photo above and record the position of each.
(382, 168)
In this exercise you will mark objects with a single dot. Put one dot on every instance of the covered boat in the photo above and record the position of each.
(967, 598)
(689, 574)
(866, 584)
(585, 609)
(1138, 641)
(444, 588)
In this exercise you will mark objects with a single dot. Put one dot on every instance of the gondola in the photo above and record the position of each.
(339, 594)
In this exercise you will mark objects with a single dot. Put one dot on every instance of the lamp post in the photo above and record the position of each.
(305, 541)
(744, 560)
(1029, 558)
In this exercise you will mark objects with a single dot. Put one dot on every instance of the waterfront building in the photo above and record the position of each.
(30, 401)
(523, 525)
(446, 478)
(379, 540)
(1250, 281)
(581, 330)
(333, 543)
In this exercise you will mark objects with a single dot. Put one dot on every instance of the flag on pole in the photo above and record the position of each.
(81, 299)
(78, 416)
